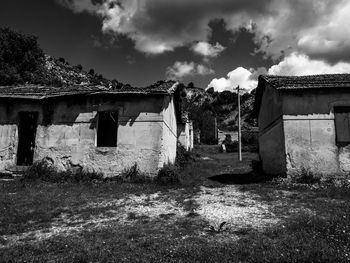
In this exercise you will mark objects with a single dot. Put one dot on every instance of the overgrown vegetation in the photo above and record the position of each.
(21, 58)
(22, 61)
(174, 173)
(133, 175)
(44, 170)
(222, 105)
(169, 174)
(308, 179)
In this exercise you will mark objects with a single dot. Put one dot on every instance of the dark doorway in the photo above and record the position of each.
(107, 129)
(26, 137)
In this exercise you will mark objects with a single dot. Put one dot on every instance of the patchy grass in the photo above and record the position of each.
(111, 221)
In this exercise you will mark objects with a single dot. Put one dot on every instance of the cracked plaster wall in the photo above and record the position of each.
(309, 135)
(70, 137)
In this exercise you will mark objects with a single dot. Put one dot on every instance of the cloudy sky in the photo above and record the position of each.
(219, 43)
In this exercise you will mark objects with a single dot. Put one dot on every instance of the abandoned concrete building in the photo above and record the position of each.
(304, 124)
(90, 127)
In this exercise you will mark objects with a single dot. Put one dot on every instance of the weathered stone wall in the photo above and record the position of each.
(66, 133)
(310, 145)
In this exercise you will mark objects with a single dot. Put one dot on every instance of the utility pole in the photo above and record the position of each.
(239, 125)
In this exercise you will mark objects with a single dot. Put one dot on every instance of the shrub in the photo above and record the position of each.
(182, 156)
(62, 60)
(169, 174)
(91, 72)
(79, 67)
(307, 177)
(134, 175)
(85, 176)
(20, 57)
(336, 181)
(44, 170)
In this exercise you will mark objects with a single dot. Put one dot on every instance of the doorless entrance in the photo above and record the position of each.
(26, 137)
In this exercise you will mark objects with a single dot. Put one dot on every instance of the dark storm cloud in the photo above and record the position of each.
(279, 26)
(157, 26)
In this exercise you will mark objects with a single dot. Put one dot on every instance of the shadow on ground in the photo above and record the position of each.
(246, 178)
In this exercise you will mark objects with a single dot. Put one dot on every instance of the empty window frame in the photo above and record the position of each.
(342, 125)
(107, 129)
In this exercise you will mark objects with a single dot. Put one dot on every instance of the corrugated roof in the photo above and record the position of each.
(41, 92)
(308, 82)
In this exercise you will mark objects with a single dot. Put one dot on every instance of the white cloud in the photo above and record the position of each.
(317, 28)
(207, 50)
(294, 64)
(240, 76)
(298, 64)
(182, 69)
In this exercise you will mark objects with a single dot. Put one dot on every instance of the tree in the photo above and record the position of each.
(190, 85)
(211, 90)
(21, 58)
(79, 67)
(91, 72)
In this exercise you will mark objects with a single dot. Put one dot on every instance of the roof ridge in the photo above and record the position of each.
(307, 81)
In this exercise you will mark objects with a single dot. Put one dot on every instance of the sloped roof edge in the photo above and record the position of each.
(307, 81)
(43, 92)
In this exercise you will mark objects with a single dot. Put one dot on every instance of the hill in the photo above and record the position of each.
(223, 105)
(22, 61)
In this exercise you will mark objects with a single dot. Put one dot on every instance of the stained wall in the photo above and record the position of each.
(298, 132)
(310, 132)
(271, 134)
(67, 129)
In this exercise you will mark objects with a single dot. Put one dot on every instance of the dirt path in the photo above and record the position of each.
(213, 205)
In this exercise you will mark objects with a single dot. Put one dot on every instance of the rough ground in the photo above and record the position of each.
(41, 221)
(241, 210)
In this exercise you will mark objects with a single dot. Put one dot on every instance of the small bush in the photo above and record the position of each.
(182, 156)
(62, 60)
(133, 175)
(44, 170)
(92, 72)
(336, 181)
(307, 178)
(79, 67)
(169, 174)
(84, 176)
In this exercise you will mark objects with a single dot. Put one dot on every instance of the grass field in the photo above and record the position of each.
(123, 222)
